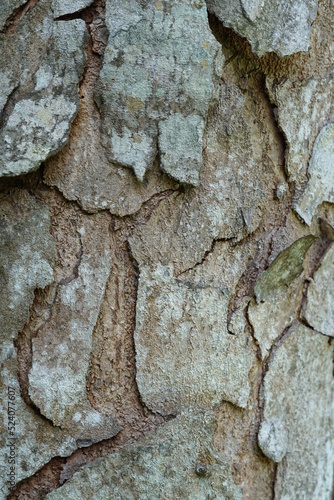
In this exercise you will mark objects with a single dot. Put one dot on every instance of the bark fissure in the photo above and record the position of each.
(120, 339)
(60, 469)
(9, 106)
(266, 365)
(206, 254)
(273, 486)
(282, 208)
(135, 423)
(41, 313)
(252, 333)
(320, 249)
(24, 351)
(13, 20)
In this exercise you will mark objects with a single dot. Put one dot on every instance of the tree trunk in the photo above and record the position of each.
(166, 204)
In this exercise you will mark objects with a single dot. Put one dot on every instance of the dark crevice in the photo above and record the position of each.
(228, 37)
(9, 106)
(71, 17)
(75, 272)
(252, 333)
(320, 249)
(279, 132)
(23, 346)
(305, 323)
(326, 229)
(136, 273)
(16, 16)
(261, 260)
(273, 484)
(74, 203)
(266, 365)
(135, 267)
(19, 92)
(123, 281)
(135, 423)
(29, 181)
(59, 469)
(94, 17)
(273, 220)
(143, 214)
(205, 255)
(246, 283)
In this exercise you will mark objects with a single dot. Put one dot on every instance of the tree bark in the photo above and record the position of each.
(166, 249)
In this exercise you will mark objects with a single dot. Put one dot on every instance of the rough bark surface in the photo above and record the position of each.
(166, 249)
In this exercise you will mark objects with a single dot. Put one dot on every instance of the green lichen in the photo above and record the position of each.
(286, 267)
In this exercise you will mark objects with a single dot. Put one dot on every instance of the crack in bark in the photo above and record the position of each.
(280, 134)
(94, 17)
(60, 469)
(266, 365)
(321, 247)
(265, 368)
(41, 313)
(239, 53)
(53, 474)
(143, 214)
(305, 323)
(274, 479)
(252, 333)
(34, 184)
(75, 272)
(260, 262)
(206, 254)
(261, 259)
(18, 93)
(23, 346)
(120, 313)
(9, 106)
(14, 19)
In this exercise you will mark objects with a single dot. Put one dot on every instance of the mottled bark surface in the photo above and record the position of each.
(166, 249)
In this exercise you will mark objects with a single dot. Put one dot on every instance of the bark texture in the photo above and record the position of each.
(166, 249)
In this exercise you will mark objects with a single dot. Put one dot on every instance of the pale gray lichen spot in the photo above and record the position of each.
(298, 382)
(273, 438)
(161, 61)
(269, 25)
(175, 461)
(252, 8)
(181, 159)
(319, 307)
(133, 148)
(320, 187)
(184, 353)
(38, 125)
(286, 267)
(35, 119)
